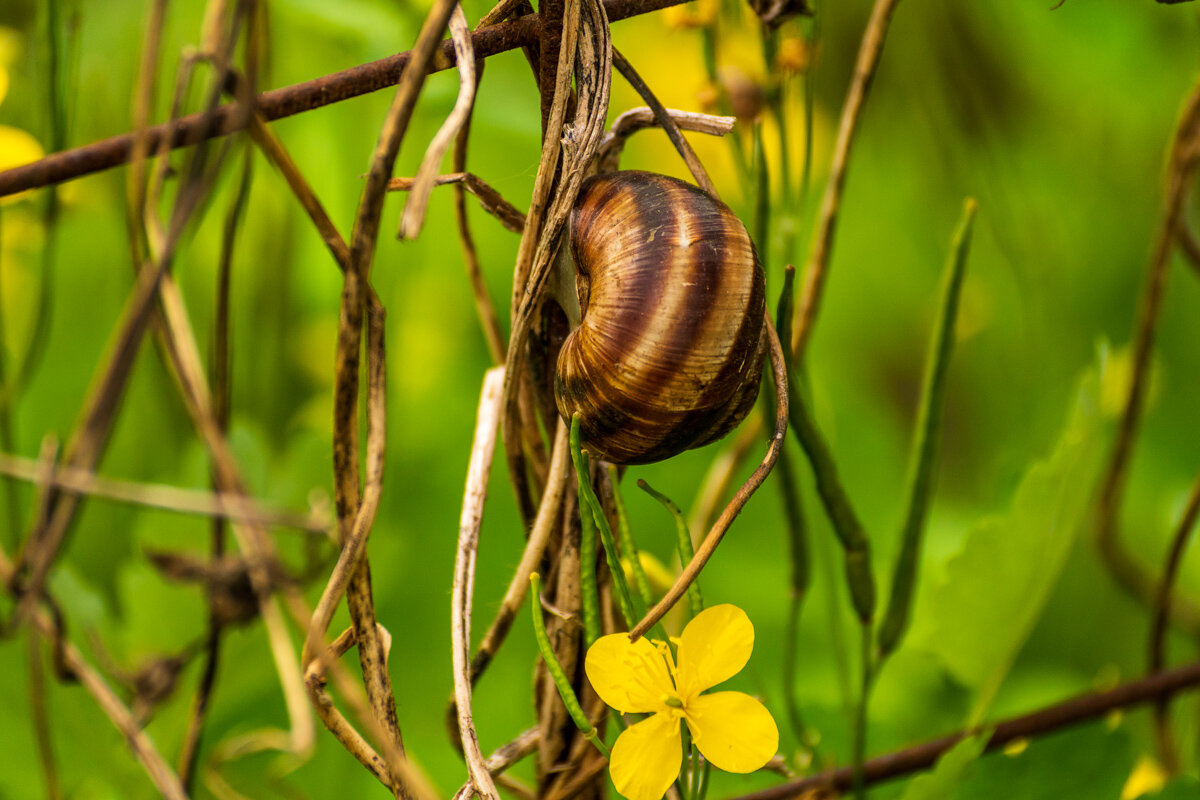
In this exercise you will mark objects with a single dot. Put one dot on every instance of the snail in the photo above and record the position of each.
(668, 352)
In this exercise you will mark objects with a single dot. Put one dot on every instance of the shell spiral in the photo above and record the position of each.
(668, 354)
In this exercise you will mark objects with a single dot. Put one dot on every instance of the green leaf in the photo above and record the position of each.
(1089, 761)
(951, 769)
(997, 585)
(1185, 788)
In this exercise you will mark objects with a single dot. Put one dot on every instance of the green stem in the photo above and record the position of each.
(708, 37)
(860, 717)
(589, 594)
(762, 198)
(787, 226)
(809, 104)
(836, 502)
(555, 669)
(590, 504)
(683, 540)
(797, 534)
(923, 460)
(629, 547)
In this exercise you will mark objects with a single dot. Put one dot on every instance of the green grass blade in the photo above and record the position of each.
(923, 469)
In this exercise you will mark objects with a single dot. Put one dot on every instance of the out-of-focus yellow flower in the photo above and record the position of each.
(692, 15)
(732, 730)
(657, 574)
(17, 147)
(794, 55)
(1148, 777)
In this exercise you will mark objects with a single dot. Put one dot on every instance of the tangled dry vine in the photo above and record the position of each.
(572, 59)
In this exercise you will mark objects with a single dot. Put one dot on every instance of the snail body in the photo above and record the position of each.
(669, 349)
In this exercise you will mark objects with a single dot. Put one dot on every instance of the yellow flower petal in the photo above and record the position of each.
(714, 647)
(646, 758)
(733, 730)
(629, 676)
(16, 148)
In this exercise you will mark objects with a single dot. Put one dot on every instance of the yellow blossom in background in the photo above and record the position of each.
(794, 55)
(661, 579)
(691, 15)
(17, 147)
(732, 730)
(1148, 778)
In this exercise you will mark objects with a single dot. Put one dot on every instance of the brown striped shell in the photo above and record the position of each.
(668, 353)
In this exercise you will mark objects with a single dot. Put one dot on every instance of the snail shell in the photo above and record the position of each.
(668, 353)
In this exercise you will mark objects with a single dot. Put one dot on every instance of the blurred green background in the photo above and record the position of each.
(1056, 121)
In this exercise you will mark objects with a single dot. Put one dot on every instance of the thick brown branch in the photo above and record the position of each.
(1081, 708)
(286, 101)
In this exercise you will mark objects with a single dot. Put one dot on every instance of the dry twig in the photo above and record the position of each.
(1132, 575)
(486, 428)
(709, 546)
(818, 261)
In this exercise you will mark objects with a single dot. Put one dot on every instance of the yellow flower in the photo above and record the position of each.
(732, 730)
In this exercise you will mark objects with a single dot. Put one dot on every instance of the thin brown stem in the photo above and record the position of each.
(71, 662)
(543, 526)
(1122, 563)
(709, 546)
(489, 320)
(413, 217)
(287, 101)
(486, 428)
(508, 215)
(1082, 708)
(41, 719)
(167, 498)
(643, 117)
(355, 514)
(817, 270)
(1189, 245)
(668, 124)
(1161, 623)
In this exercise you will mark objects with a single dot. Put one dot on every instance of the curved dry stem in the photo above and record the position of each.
(490, 200)
(167, 498)
(504, 757)
(371, 651)
(1078, 709)
(160, 772)
(643, 117)
(484, 447)
(585, 49)
(489, 320)
(1161, 622)
(709, 545)
(667, 122)
(414, 210)
(1132, 575)
(535, 548)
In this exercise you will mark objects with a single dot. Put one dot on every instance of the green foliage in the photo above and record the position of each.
(948, 773)
(997, 585)
(1090, 761)
(1056, 121)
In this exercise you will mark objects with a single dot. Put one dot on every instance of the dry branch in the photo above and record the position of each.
(286, 101)
(167, 498)
(1074, 711)
(1128, 571)
(486, 428)
(709, 546)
